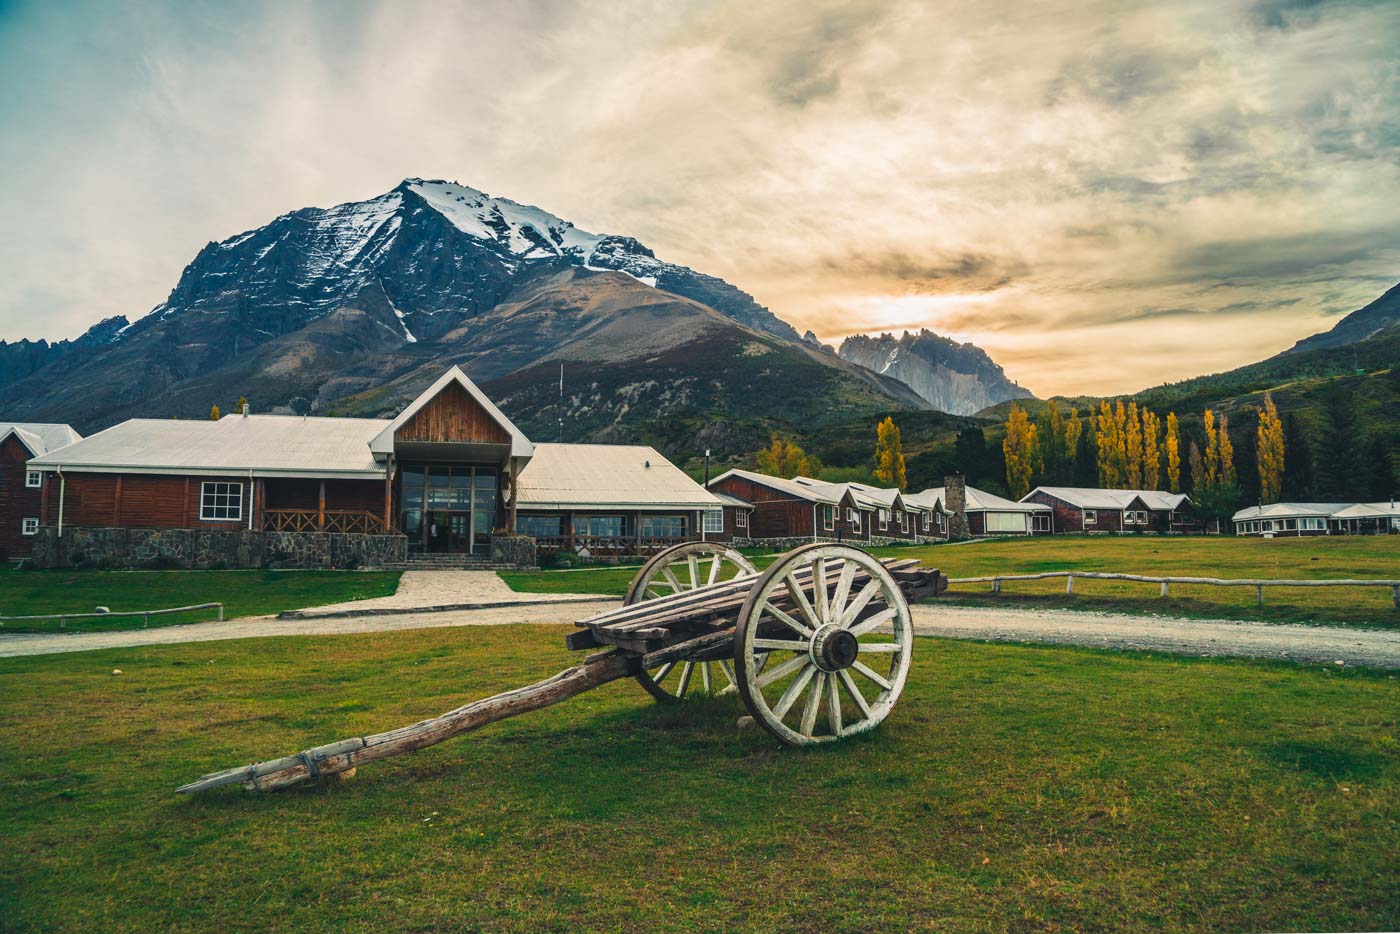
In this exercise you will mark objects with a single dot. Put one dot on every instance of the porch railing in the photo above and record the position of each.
(606, 546)
(309, 520)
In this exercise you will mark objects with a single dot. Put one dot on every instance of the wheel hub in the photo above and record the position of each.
(834, 649)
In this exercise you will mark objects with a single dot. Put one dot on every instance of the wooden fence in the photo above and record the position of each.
(144, 614)
(1166, 582)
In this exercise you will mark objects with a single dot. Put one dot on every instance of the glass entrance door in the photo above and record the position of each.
(448, 508)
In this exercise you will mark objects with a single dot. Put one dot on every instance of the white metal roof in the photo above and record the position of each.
(1319, 510)
(40, 437)
(838, 491)
(266, 445)
(607, 476)
(383, 442)
(982, 501)
(1095, 498)
(728, 500)
(793, 489)
(931, 500)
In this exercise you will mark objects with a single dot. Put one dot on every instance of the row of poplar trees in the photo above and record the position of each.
(1134, 449)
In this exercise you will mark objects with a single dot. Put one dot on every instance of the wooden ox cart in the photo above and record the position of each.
(818, 646)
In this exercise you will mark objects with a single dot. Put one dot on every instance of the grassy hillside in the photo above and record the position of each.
(1063, 788)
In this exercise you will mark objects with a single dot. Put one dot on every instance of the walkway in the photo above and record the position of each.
(441, 590)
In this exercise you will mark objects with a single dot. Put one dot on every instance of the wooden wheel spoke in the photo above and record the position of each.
(693, 565)
(714, 570)
(867, 593)
(804, 606)
(671, 579)
(782, 671)
(662, 672)
(833, 704)
(854, 691)
(687, 669)
(814, 704)
(794, 690)
(874, 622)
(871, 674)
(791, 645)
(843, 589)
(787, 620)
(888, 648)
(819, 591)
(705, 681)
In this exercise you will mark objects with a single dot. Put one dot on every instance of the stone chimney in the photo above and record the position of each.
(955, 503)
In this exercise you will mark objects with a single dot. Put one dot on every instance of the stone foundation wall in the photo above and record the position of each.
(787, 544)
(212, 549)
(516, 551)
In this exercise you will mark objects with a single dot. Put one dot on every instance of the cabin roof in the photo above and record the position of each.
(39, 438)
(265, 445)
(383, 442)
(981, 501)
(1319, 510)
(1095, 498)
(792, 488)
(607, 476)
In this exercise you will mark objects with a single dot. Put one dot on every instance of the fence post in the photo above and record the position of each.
(1395, 595)
(145, 619)
(1258, 594)
(996, 585)
(1164, 588)
(221, 612)
(1069, 584)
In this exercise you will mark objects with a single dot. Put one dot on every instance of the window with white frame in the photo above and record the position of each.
(1135, 517)
(1313, 525)
(884, 518)
(853, 517)
(220, 501)
(741, 518)
(1091, 517)
(1040, 522)
(828, 517)
(34, 478)
(926, 521)
(29, 526)
(714, 520)
(904, 522)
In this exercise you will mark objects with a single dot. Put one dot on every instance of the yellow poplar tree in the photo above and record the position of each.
(1151, 450)
(1132, 446)
(1020, 447)
(1210, 473)
(1226, 456)
(213, 413)
(1173, 453)
(1073, 429)
(782, 458)
(889, 455)
(1270, 452)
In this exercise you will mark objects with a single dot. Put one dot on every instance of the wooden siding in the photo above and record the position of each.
(776, 513)
(17, 501)
(1065, 518)
(154, 501)
(452, 415)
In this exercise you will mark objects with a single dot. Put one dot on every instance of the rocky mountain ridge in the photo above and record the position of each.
(959, 379)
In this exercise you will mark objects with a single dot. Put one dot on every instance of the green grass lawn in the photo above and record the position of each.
(1012, 787)
(1360, 557)
(243, 593)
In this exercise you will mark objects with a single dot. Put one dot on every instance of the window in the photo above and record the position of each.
(853, 517)
(29, 526)
(714, 520)
(602, 526)
(741, 518)
(884, 518)
(221, 502)
(1040, 522)
(904, 522)
(539, 526)
(34, 478)
(1091, 517)
(926, 518)
(828, 518)
(1006, 522)
(663, 527)
(1135, 517)
(1312, 525)
(1290, 525)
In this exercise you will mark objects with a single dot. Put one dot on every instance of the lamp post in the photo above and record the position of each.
(707, 468)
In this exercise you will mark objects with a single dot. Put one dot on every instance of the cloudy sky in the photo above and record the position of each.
(1103, 195)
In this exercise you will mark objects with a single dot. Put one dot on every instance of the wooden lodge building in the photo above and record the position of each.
(1080, 509)
(449, 475)
(21, 487)
(1304, 519)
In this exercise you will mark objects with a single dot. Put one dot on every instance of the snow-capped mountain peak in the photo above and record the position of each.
(522, 229)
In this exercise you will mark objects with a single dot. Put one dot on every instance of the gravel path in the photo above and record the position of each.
(1311, 644)
(439, 590)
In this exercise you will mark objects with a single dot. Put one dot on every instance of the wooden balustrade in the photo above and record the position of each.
(337, 520)
(606, 546)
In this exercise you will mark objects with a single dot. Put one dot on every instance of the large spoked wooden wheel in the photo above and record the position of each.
(839, 660)
(676, 570)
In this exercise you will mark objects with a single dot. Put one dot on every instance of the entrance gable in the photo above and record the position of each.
(452, 415)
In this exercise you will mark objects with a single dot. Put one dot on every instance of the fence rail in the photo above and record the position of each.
(1258, 584)
(144, 614)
